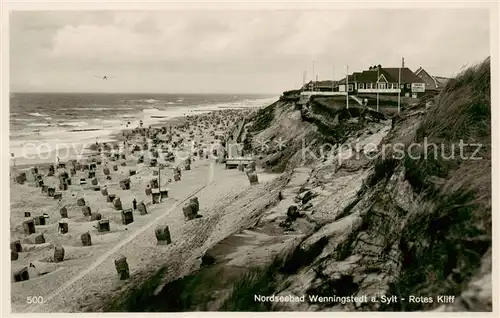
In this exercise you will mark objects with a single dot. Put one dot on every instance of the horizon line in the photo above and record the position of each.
(159, 93)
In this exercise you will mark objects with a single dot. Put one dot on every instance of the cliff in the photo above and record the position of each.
(359, 208)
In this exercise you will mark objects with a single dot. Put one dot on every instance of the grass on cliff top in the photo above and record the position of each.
(462, 114)
(463, 109)
(258, 281)
(443, 244)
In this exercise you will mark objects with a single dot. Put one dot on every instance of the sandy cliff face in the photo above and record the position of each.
(389, 224)
(350, 217)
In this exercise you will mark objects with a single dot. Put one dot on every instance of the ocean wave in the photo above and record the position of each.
(204, 110)
(85, 129)
(150, 110)
(40, 125)
(98, 108)
(149, 101)
(244, 103)
(22, 119)
(18, 134)
(72, 124)
(38, 115)
(112, 123)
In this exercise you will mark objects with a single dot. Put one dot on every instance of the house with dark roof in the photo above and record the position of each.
(384, 80)
(351, 82)
(432, 83)
(321, 86)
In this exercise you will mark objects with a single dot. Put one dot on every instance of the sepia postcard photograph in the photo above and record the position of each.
(224, 158)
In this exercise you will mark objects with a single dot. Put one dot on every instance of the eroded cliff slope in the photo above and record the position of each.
(361, 206)
(412, 222)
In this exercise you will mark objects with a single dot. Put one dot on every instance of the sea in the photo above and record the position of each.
(44, 123)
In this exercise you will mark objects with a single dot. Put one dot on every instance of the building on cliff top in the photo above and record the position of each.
(432, 83)
(321, 86)
(384, 80)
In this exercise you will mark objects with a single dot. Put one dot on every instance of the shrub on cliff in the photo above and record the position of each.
(447, 241)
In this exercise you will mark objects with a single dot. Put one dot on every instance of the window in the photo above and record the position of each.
(381, 85)
(408, 85)
(361, 85)
(402, 86)
(350, 88)
(395, 85)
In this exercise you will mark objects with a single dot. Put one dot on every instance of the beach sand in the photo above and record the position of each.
(88, 273)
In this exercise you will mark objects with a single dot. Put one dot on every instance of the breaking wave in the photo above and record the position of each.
(38, 115)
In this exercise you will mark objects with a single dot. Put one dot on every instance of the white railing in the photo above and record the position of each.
(374, 90)
(310, 93)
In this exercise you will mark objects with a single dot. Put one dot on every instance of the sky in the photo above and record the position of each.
(243, 51)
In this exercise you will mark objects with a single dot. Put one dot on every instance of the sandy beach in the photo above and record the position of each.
(226, 159)
(85, 270)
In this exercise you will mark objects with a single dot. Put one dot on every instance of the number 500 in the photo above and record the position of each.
(34, 300)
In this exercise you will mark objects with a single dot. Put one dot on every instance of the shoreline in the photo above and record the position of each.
(78, 150)
(78, 153)
(38, 142)
(202, 129)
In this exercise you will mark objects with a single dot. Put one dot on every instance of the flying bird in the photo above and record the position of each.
(105, 77)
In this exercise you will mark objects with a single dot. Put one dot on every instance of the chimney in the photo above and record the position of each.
(402, 62)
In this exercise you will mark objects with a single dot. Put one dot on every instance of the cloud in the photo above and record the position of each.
(199, 36)
(231, 47)
(189, 36)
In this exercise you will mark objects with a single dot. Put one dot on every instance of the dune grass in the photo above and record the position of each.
(258, 281)
(443, 244)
